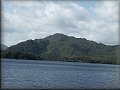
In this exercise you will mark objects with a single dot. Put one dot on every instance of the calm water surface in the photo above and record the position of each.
(58, 75)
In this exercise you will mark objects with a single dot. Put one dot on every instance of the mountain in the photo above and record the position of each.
(3, 47)
(65, 48)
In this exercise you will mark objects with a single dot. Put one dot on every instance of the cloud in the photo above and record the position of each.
(108, 10)
(24, 20)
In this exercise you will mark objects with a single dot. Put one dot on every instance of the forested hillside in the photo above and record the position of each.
(64, 48)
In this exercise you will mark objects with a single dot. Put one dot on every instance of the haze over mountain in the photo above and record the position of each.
(63, 47)
(3, 47)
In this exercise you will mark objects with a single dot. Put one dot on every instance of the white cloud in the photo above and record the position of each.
(108, 10)
(24, 20)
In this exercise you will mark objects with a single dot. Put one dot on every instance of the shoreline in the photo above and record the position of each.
(57, 61)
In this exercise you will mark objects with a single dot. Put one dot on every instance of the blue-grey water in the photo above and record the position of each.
(58, 75)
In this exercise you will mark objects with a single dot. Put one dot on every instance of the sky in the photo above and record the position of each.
(94, 20)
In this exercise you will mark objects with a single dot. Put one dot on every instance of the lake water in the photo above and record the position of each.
(58, 75)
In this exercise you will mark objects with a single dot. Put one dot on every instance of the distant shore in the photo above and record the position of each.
(56, 61)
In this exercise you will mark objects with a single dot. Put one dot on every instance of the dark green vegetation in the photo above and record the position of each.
(64, 48)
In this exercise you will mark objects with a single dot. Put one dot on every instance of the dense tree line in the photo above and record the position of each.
(19, 55)
(108, 59)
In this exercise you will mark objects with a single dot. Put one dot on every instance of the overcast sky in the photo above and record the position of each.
(93, 20)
